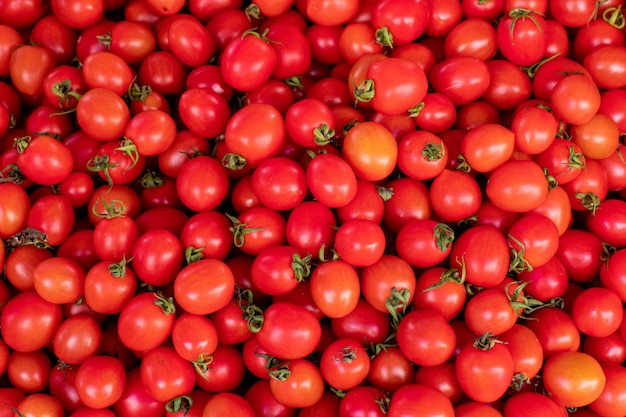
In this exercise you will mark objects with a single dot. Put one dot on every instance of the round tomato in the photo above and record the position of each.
(517, 186)
(573, 379)
(426, 338)
(100, 381)
(344, 364)
(204, 286)
(297, 383)
(165, 374)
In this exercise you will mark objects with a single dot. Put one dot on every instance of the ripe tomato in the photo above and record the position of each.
(40, 404)
(289, 331)
(165, 374)
(426, 338)
(478, 262)
(388, 284)
(534, 240)
(102, 114)
(202, 183)
(257, 229)
(575, 99)
(335, 288)
(517, 186)
(416, 399)
(534, 403)
(100, 381)
(157, 257)
(28, 79)
(29, 371)
(331, 180)
(484, 373)
(360, 242)
(223, 371)
(297, 383)
(555, 330)
(280, 183)
(44, 151)
(454, 195)
(14, 209)
(462, 79)
(77, 339)
(310, 226)
(203, 287)
(422, 155)
(573, 379)
(194, 338)
(59, 280)
(227, 403)
(146, 321)
(135, 398)
(344, 364)
(247, 62)
(525, 350)
(597, 312)
(522, 36)
(611, 400)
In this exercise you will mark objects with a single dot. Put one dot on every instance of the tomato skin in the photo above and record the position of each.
(102, 114)
(202, 183)
(360, 242)
(485, 266)
(157, 257)
(335, 288)
(143, 324)
(27, 78)
(205, 286)
(454, 195)
(522, 37)
(517, 186)
(14, 209)
(244, 56)
(196, 105)
(29, 322)
(77, 339)
(224, 373)
(165, 374)
(371, 150)
(344, 364)
(533, 403)
(280, 183)
(435, 335)
(607, 220)
(302, 388)
(309, 226)
(487, 146)
(555, 330)
(225, 403)
(603, 63)
(573, 386)
(484, 375)
(611, 400)
(575, 99)
(107, 388)
(135, 398)
(462, 79)
(415, 399)
(59, 280)
(612, 275)
(278, 335)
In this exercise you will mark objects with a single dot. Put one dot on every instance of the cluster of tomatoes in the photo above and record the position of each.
(312, 208)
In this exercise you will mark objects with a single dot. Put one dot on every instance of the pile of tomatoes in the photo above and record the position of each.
(286, 208)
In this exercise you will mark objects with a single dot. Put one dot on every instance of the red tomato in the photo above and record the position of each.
(462, 79)
(29, 371)
(487, 146)
(360, 242)
(28, 79)
(426, 338)
(555, 330)
(331, 180)
(535, 403)
(247, 62)
(227, 403)
(344, 364)
(522, 36)
(165, 374)
(100, 381)
(14, 209)
(573, 386)
(415, 399)
(297, 383)
(371, 150)
(454, 195)
(59, 280)
(310, 226)
(575, 99)
(517, 186)
(597, 312)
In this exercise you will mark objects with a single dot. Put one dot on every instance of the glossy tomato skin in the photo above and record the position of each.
(566, 383)
(165, 374)
(435, 335)
(517, 186)
(413, 398)
(107, 388)
(205, 286)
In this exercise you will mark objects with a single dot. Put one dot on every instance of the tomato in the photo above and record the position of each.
(533, 402)
(421, 333)
(360, 242)
(135, 398)
(363, 400)
(280, 183)
(104, 390)
(478, 263)
(611, 400)
(196, 105)
(77, 339)
(462, 79)
(163, 72)
(263, 402)
(292, 50)
(310, 225)
(573, 386)
(29, 371)
(474, 37)
(102, 114)
(416, 399)
(454, 195)
(14, 208)
(593, 303)
(555, 330)
(517, 186)
(475, 409)
(280, 338)
(364, 323)
(39, 404)
(244, 56)
(254, 133)
(223, 371)
(575, 99)
(146, 321)
(157, 257)
(198, 295)
(27, 78)
(484, 373)
(194, 337)
(525, 350)
(521, 36)
(297, 383)
(257, 229)
(331, 180)
(59, 280)
(344, 364)
(607, 349)
(589, 189)
(487, 146)
(165, 374)
(491, 310)
(598, 138)
(227, 402)
(44, 151)
(390, 369)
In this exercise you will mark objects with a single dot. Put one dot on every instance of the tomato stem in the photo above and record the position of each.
(178, 404)
(114, 208)
(323, 257)
(20, 144)
(365, 91)
(397, 304)
(27, 236)
(63, 90)
(385, 192)
(281, 372)
(233, 161)
(166, 304)
(532, 70)
(118, 270)
(11, 173)
(193, 254)
(239, 230)
(443, 236)
(295, 83)
(589, 200)
(614, 17)
(151, 179)
(415, 111)
(518, 263)
(607, 251)
(451, 275)
(301, 266)
(384, 37)
(202, 364)
(323, 134)
(433, 151)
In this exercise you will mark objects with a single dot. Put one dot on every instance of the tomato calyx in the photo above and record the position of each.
(12, 173)
(346, 355)
(451, 275)
(100, 163)
(397, 304)
(415, 111)
(614, 17)
(384, 37)
(295, 82)
(444, 236)
(201, 365)
(551, 180)
(20, 144)
(63, 90)
(178, 404)
(365, 91)
(250, 311)
(524, 304)
(138, 92)
(253, 12)
(377, 348)
(166, 304)
(323, 134)
(129, 149)
(233, 161)
(118, 269)
(532, 70)
(589, 200)
(518, 262)
(519, 380)
(239, 230)
(463, 165)
(521, 13)
(280, 372)
(607, 251)
(112, 209)
(349, 125)
(151, 179)
(384, 192)
(486, 341)
(193, 254)
(301, 266)
(27, 236)
(433, 151)
(325, 255)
